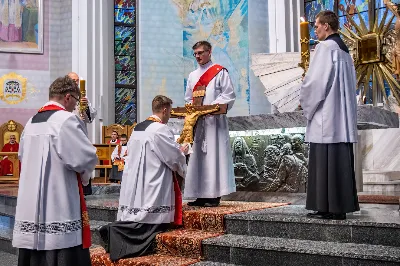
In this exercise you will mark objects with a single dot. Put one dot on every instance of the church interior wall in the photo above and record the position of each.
(40, 69)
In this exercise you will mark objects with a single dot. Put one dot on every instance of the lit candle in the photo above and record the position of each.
(304, 43)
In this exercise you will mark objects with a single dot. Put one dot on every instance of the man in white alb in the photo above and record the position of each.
(210, 170)
(51, 220)
(150, 198)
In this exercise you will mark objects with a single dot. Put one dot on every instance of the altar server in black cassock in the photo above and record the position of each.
(328, 99)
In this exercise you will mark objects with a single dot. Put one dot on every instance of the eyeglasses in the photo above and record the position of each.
(199, 53)
(76, 98)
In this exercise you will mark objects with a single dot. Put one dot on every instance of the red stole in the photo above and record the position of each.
(178, 194)
(208, 76)
(86, 237)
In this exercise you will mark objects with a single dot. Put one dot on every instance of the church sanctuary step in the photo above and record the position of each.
(255, 250)
(8, 259)
(385, 186)
(372, 225)
(212, 263)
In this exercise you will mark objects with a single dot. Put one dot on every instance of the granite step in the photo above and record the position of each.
(8, 259)
(255, 250)
(372, 225)
(213, 263)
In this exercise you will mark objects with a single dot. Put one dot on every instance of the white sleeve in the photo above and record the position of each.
(317, 80)
(74, 148)
(227, 95)
(167, 150)
(189, 91)
(114, 154)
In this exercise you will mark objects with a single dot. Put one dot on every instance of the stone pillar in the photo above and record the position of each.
(92, 58)
(358, 158)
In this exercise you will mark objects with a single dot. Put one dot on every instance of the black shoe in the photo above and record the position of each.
(316, 214)
(198, 202)
(212, 202)
(334, 216)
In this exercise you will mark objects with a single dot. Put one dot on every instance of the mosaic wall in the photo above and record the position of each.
(125, 62)
(274, 162)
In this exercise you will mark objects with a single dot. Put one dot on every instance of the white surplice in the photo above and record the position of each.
(123, 154)
(52, 151)
(210, 171)
(328, 95)
(147, 191)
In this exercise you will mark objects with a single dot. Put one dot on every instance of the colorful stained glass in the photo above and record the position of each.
(125, 113)
(350, 6)
(126, 16)
(125, 77)
(124, 95)
(125, 63)
(312, 8)
(343, 20)
(124, 3)
(125, 48)
(381, 12)
(123, 33)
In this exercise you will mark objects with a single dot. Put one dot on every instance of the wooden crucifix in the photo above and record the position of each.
(192, 112)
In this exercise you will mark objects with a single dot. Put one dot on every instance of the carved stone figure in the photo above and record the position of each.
(245, 165)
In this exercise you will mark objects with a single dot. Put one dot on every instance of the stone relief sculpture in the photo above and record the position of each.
(245, 165)
(273, 163)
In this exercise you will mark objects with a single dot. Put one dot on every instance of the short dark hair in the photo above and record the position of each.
(330, 17)
(205, 44)
(62, 86)
(160, 102)
(124, 136)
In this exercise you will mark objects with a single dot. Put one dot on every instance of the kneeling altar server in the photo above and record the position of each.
(150, 198)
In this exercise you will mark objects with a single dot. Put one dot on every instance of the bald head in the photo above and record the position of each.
(74, 77)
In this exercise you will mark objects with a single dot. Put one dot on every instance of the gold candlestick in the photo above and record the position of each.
(305, 45)
(82, 87)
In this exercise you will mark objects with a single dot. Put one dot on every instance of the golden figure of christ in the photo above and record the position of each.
(192, 114)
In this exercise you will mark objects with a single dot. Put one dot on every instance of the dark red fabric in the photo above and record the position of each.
(208, 76)
(178, 201)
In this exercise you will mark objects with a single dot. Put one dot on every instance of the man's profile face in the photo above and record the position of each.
(123, 140)
(114, 135)
(12, 139)
(321, 30)
(202, 55)
(74, 77)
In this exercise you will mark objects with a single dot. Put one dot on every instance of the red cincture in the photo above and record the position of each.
(86, 237)
(177, 189)
(208, 76)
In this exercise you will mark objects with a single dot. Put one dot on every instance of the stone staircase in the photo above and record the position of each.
(276, 236)
(381, 181)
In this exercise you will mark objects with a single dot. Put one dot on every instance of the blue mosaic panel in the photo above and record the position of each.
(381, 12)
(312, 8)
(125, 63)
(124, 3)
(126, 16)
(124, 95)
(380, 3)
(125, 77)
(125, 112)
(343, 20)
(350, 6)
(125, 34)
(124, 48)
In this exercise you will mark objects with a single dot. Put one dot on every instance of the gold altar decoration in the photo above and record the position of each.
(82, 88)
(191, 116)
(372, 47)
(305, 45)
(13, 88)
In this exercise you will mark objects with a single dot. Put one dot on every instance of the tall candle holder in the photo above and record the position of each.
(82, 88)
(305, 45)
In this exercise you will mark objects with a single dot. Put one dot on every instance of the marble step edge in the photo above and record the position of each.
(319, 248)
(213, 263)
(305, 220)
(391, 182)
(8, 259)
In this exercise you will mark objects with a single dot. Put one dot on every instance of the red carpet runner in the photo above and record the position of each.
(183, 246)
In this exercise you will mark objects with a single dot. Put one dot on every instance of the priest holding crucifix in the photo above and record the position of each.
(210, 171)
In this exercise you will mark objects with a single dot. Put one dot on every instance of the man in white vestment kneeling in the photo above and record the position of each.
(51, 220)
(150, 198)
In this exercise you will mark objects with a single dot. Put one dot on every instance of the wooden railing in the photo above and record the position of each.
(13, 157)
